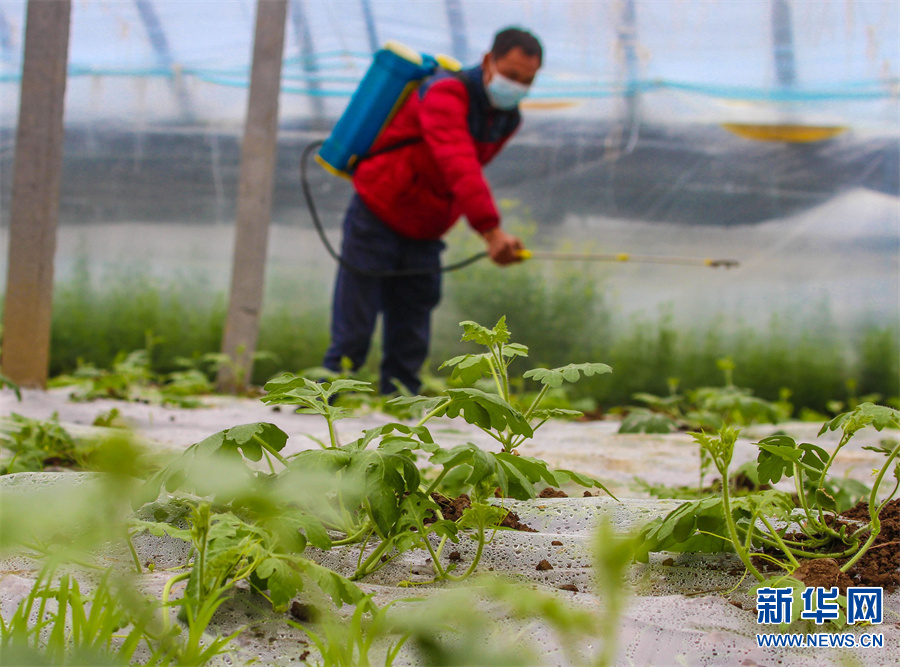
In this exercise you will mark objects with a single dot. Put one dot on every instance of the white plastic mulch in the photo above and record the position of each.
(680, 610)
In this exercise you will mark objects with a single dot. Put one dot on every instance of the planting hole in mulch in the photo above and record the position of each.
(880, 565)
(453, 508)
(305, 613)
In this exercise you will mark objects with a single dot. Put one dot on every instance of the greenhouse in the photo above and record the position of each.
(449, 332)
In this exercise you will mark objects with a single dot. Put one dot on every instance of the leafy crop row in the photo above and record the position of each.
(249, 512)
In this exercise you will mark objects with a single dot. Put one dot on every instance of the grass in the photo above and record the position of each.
(559, 312)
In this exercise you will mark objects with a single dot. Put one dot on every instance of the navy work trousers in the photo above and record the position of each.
(405, 302)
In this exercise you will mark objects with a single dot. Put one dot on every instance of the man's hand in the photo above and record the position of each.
(503, 248)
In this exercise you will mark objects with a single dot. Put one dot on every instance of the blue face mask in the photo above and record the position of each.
(504, 93)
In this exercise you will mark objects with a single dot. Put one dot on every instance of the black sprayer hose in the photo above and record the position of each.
(307, 192)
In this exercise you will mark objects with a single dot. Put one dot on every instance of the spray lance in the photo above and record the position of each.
(395, 72)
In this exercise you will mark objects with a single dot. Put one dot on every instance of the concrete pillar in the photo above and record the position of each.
(34, 209)
(258, 153)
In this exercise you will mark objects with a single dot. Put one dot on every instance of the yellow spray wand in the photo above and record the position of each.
(626, 257)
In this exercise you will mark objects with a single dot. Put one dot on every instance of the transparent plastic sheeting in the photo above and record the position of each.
(653, 127)
(719, 56)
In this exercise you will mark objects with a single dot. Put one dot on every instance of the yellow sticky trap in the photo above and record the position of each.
(792, 134)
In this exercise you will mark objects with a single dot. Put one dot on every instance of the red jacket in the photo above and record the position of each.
(421, 188)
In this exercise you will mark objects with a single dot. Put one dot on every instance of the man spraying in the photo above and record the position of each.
(423, 172)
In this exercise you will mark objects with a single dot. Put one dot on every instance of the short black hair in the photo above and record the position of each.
(510, 38)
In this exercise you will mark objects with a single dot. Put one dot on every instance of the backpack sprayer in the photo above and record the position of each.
(395, 72)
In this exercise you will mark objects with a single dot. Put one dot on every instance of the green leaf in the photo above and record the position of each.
(386, 478)
(414, 436)
(423, 403)
(642, 420)
(678, 530)
(557, 413)
(480, 516)
(483, 464)
(472, 331)
(487, 411)
(814, 457)
(776, 458)
(571, 373)
(282, 579)
(160, 529)
(339, 588)
(219, 454)
(885, 447)
(247, 436)
(469, 368)
(562, 476)
(863, 415)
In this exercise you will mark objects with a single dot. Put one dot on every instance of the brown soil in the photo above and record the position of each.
(880, 566)
(550, 492)
(305, 613)
(591, 416)
(544, 565)
(824, 572)
(452, 509)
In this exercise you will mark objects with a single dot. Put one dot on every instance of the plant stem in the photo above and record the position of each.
(435, 558)
(269, 461)
(363, 570)
(351, 539)
(167, 590)
(134, 556)
(844, 440)
(332, 435)
(801, 496)
(874, 512)
(475, 560)
(729, 520)
(537, 400)
(777, 537)
(431, 487)
(495, 373)
(269, 449)
(433, 413)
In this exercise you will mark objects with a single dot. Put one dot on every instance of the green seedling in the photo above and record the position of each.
(706, 408)
(442, 635)
(613, 555)
(762, 519)
(378, 490)
(343, 643)
(36, 443)
(58, 624)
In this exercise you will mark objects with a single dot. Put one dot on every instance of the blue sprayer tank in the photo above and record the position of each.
(394, 73)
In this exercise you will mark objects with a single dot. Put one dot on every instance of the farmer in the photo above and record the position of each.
(428, 173)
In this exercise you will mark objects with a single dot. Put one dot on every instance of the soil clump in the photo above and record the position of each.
(880, 565)
(550, 492)
(824, 572)
(452, 509)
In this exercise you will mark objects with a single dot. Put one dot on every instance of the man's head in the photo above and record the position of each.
(510, 66)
